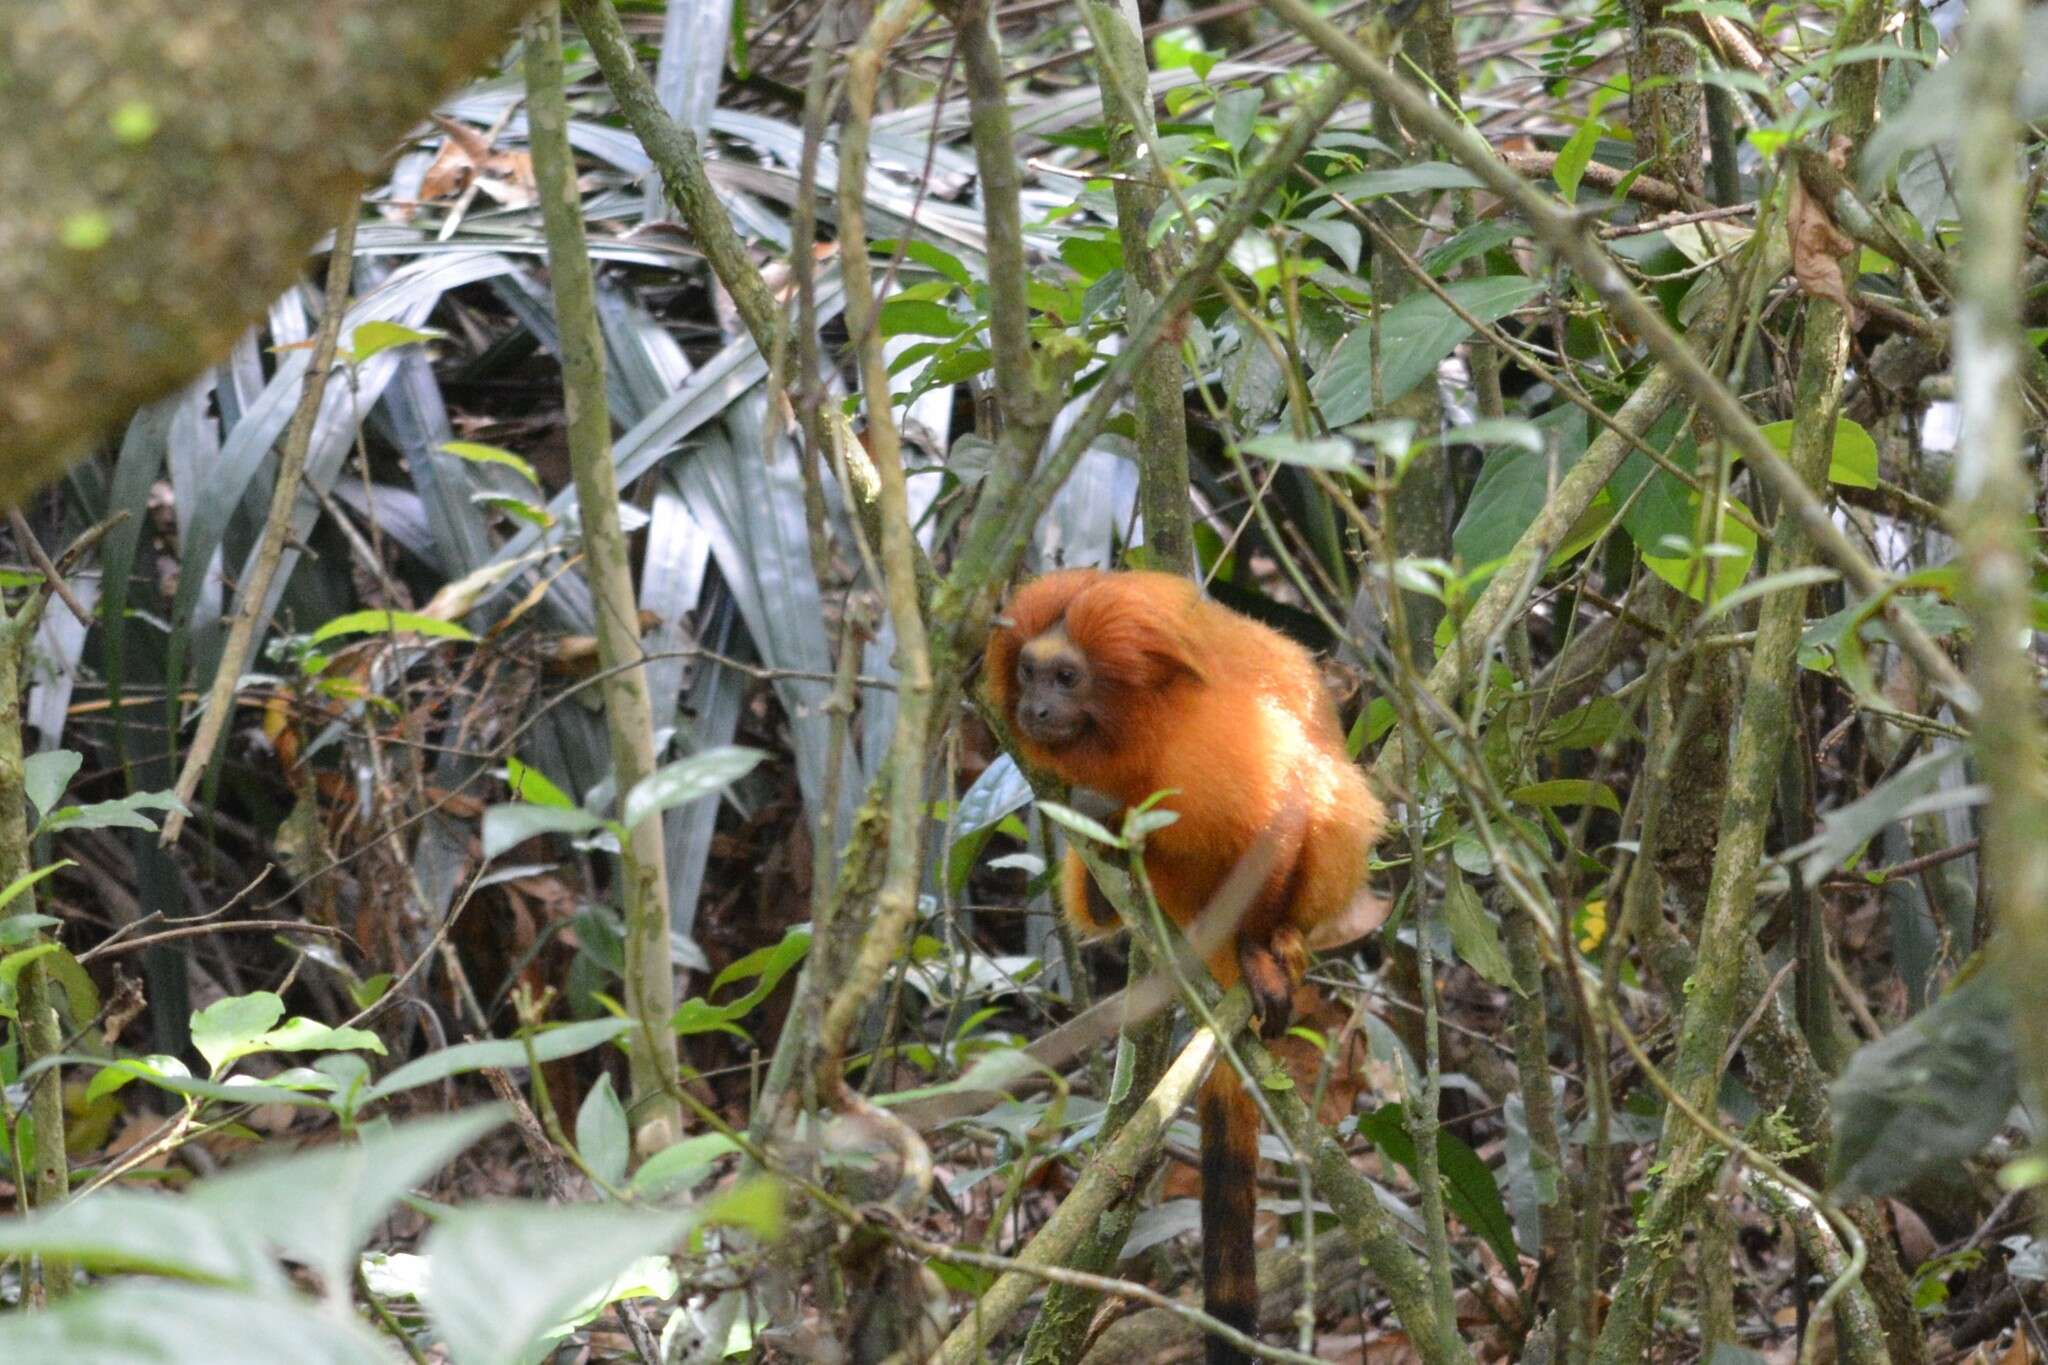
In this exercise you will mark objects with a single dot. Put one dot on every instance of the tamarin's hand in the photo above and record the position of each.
(1129, 684)
(1132, 683)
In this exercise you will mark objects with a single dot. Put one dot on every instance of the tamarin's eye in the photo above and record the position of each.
(1024, 669)
(1066, 677)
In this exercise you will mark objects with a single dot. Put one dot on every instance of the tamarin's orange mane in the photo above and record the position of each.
(1231, 717)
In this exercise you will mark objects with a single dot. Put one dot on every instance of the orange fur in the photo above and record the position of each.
(1234, 720)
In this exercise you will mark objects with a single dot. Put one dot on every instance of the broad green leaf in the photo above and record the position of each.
(677, 1167)
(1574, 156)
(1418, 333)
(1853, 460)
(1474, 934)
(122, 812)
(121, 1229)
(1236, 113)
(229, 1028)
(685, 780)
(1423, 175)
(186, 1324)
(918, 317)
(1468, 1185)
(548, 1045)
(1329, 452)
(531, 785)
(927, 255)
(241, 1026)
(1928, 1095)
(44, 776)
(381, 622)
(113, 1076)
(1341, 237)
(319, 1207)
(370, 338)
(1072, 821)
(509, 1277)
(754, 1204)
(1568, 791)
(508, 826)
(602, 1139)
(1512, 486)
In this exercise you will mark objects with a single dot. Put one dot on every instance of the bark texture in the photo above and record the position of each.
(169, 163)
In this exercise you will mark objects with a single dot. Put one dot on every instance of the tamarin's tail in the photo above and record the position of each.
(1230, 1167)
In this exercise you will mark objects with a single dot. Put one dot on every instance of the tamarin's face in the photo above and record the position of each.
(1055, 690)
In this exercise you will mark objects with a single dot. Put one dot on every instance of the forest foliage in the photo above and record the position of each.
(504, 854)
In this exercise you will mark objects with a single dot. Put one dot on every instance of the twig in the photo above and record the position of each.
(33, 548)
(284, 495)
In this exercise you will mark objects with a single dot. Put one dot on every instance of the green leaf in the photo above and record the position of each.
(1512, 487)
(11, 968)
(507, 826)
(601, 1136)
(1853, 460)
(754, 1204)
(675, 1168)
(1586, 727)
(918, 317)
(112, 1077)
(1568, 791)
(1329, 452)
(380, 622)
(120, 1229)
(28, 879)
(530, 784)
(229, 1028)
(16, 929)
(1236, 114)
(508, 1277)
(1468, 1184)
(764, 966)
(1419, 332)
(182, 1324)
(1574, 156)
(1811, 575)
(1344, 239)
(1930, 1094)
(1474, 934)
(1073, 822)
(370, 338)
(243, 1025)
(928, 256)
(320, 1207)
(548, 1045)
(679, 783)
(1846, 829)
(477, 453)
(1422, 175)
(44, 777)
(123, 812)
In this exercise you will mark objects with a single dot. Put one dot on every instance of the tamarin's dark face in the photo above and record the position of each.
(1055, 690)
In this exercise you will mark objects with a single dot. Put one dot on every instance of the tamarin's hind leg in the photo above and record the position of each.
(1270, 970)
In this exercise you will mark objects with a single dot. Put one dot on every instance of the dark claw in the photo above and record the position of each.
(1272, 993)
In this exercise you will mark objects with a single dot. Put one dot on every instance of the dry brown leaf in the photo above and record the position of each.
(1818, 246)
(468, 158)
